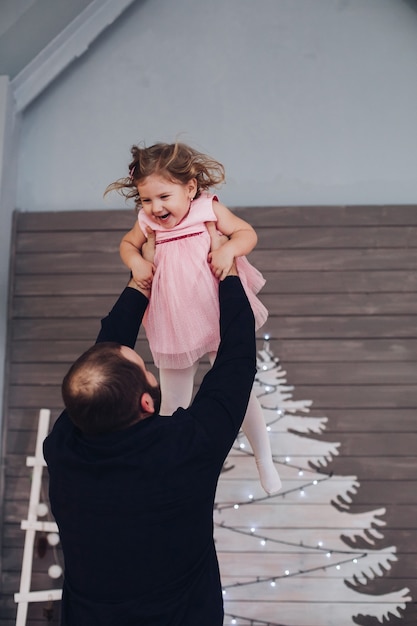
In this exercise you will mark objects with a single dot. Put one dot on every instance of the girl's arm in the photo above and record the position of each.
(242, 240)
(130, 252)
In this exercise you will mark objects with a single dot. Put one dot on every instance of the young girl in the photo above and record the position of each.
(169, 183)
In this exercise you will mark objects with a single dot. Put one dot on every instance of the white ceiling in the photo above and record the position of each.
(40, 38)
(28, 26)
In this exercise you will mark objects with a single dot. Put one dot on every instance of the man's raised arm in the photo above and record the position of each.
(123, 322)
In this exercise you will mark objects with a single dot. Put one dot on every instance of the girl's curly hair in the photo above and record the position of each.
(177, 162)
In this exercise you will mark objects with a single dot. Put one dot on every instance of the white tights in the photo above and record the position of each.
(177, 390)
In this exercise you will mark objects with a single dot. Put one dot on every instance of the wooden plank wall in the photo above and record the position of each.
(341, 291)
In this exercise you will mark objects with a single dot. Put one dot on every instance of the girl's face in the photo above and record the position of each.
(166, 202)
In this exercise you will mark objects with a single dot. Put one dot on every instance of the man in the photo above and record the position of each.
(133, 492)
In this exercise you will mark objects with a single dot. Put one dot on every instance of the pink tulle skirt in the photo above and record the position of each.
(182, 319)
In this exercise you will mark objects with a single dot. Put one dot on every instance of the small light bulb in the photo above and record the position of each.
(242, 446)
(263, 542)
(287, 572)
(55, 571)
(301, 473)
(273, 583)
(250, 496)
(315, 482)
(287, 459)
(252, 529)
(42, 509)
(268, 428)
(53, 539)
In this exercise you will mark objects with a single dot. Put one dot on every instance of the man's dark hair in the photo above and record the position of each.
(102, 390)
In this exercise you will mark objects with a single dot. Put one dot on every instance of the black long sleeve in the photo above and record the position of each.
(123, 322)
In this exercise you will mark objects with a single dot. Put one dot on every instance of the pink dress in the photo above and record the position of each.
(182, 318)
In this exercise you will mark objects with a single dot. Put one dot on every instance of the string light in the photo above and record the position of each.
(310, 477)
(252, 500)
(251, 622)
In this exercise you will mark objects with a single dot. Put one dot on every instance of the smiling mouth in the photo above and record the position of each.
(163, 217)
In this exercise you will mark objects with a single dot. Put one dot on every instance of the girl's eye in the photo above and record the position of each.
(164, 197)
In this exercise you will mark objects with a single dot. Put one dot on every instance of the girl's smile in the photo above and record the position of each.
(167, 202)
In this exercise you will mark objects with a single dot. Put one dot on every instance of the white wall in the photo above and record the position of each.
(304, 101)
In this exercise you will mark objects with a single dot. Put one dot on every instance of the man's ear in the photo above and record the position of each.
(147, 403)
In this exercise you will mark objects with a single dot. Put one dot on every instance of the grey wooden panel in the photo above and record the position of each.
(370, 420)
(325, 216)
(355, 281)
(325, 260)
(383, 420)
(278, 260)
(379, 373)
(290, 351)
(259, 216)
(82, 263)
(278, 326)
(335, 396)
(69, 241)
(75, 220)
(272, 239)
(277, 283)
(314, 350)
(341, 286)
(298, 304)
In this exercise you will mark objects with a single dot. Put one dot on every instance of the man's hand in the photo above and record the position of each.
(132, 283)
(142, 272)
(148, 248)
(221, 260)
(142, 265)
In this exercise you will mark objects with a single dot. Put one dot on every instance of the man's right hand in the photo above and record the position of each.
(148, 248)
(217, 241)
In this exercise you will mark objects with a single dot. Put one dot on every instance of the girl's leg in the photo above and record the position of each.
(255, 431)
(176, 388)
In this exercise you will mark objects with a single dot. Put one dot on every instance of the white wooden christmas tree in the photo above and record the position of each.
(288, 559)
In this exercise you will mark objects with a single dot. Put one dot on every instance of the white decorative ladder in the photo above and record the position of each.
(31, 525)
